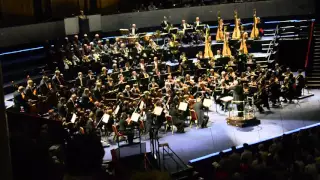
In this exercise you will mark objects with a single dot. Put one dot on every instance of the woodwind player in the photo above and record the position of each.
(236, 32)
(220, 32)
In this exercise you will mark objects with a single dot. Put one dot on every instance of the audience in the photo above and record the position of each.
(290, 157)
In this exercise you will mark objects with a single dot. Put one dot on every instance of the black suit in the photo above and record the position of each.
(195, 24)
(78, 82)
(19, 101)
(62, 110)
(97, 94)
(85, 101)
(90, 81)
(57, 81)
(43, 88)
(126, 93)
(29, 93)
(70, 107)
(135, 31)
(202, 119)
(238, 96)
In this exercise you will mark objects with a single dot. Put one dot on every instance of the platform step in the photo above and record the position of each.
(313, 85)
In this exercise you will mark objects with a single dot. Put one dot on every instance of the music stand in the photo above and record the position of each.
(188, 30)
(124, 32)
(201, 27)
(207, 103)
(117, 110)
(105, 118)
(149, 68)
(135, 117)
(131, 82)
(204, 61)
(173, 31)
(183, 106)
(126, 73)
(144, 81)
(157, 111)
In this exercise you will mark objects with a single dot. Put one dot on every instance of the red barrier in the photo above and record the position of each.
(309, 45)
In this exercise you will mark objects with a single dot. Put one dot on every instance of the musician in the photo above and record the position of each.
(238, 96)
(97, 92)
(126, 92)
(30, 91)
(153, 84)
(133, 30)
(85, 40)
(80, 80)
(138, 47)
(135, 91)
(44, 86)
(176, 118)
(71, 104)
(58, 80)
(76, 41)
(156, 63)
(90, 79)
(197, 22)
(96, 39)
(300, 81)
(19, 100)
(126, 126)
(218, 55)
(134, 76)
(61, 107)
(86, 99)
(104, 75)
(184, 25)
(153, 46)
(165, 24)
(199, 109)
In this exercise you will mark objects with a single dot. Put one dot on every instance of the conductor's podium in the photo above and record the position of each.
(240, 118)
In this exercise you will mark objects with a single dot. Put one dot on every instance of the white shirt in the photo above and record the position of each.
(133, 31)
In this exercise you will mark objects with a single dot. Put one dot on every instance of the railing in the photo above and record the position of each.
(309, 45)
(272, 43)
(166, 150)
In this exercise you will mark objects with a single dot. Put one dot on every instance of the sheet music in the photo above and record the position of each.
(183, 106)
(74, 117)
(157, 110)
(227, 99)
(141, 105)
(105, 118)
(117, 110)
(135, 117)
(207, 103)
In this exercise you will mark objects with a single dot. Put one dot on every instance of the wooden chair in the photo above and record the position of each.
(194, 118)
(169, 123)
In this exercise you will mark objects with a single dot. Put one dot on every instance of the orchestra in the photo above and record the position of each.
(121, 76)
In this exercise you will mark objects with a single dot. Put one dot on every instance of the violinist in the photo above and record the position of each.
(86, 99)
(176, 118)
(127, 66)
(97, 92)
(126, 92)
(104, 75)
(135, 91)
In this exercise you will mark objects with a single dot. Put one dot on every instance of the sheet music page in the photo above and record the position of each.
(183, 106)
(157, 110)
(74, 117)
(207, 102)
(105, 118)
(117, 110)
(135, 117)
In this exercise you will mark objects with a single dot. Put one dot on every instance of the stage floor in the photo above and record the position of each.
(220, 136)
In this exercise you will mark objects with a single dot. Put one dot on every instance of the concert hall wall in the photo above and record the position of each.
(36, 33)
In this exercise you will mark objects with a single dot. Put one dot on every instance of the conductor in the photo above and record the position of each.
(238, 96)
